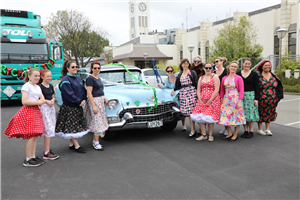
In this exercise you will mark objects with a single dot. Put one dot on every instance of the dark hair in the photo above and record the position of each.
(66, 65)
(183, 61)
(92, 66)
(228, 71)
(249, 59)
(29, 72)
(207, 64)
(260, 66)
(43, 74)
(169, 67)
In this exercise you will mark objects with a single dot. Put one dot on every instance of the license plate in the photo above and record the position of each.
(154, 124)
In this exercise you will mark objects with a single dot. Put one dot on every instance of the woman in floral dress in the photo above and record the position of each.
(232, 94)
(270, 93)
(186, 83)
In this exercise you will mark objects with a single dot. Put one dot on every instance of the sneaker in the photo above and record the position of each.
(222, 131)
(268, 132)
(80, 150)
(72, 147)
(98, 147)
(202, 137)
(40, 160)
(261, 132)
(50, 156)
(210, 138)
(183, 128)
(32, 162)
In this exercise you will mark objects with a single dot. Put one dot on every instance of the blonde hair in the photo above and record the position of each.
(29, 73)
(228, 71)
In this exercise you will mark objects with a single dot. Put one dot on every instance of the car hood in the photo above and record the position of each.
(128, 95)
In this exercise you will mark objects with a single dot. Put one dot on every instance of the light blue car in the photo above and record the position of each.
(129, 102)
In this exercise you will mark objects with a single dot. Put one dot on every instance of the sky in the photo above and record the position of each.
(113, 15)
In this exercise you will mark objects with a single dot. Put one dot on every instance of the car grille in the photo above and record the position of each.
(160, 112)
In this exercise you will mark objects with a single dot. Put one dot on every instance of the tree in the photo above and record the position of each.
(234, 41)
(76, 32)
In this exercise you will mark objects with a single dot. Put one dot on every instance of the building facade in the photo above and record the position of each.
(171, 45)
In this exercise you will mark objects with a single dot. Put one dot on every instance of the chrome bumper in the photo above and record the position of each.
(127, 121)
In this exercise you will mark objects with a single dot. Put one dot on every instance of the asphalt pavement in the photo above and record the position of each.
(153, 164)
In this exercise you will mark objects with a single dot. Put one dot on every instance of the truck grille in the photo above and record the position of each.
(160, 112)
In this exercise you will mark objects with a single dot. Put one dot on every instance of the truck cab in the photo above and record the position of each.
(23, 46)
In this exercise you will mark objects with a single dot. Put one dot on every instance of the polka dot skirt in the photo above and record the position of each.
(26, 124)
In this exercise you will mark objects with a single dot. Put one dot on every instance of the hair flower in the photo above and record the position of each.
(189, 73)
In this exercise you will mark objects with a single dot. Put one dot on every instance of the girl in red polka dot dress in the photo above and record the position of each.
(208, 107)
(27, 123)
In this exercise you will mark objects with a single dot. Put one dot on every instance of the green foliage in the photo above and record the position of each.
(234, 41)
(289, 84)
(76, 32)
(287, 63)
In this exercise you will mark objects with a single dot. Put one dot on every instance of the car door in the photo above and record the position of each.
(150, 77)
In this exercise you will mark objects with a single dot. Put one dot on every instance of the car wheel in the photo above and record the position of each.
(169, 126)
(108, 135)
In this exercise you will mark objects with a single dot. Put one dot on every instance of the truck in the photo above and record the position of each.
(24, 46)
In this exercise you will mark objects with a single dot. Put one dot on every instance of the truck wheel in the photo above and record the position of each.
(169, 126)
(108, 135)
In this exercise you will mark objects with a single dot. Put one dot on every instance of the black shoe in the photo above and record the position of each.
(72, 147)
(244, 135)
(40, 160)
(227, 138)
(250, 135)
(80, 150)
(231, 140)
(190, 135)
(32, 162)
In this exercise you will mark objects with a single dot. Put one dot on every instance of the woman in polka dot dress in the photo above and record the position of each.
(208, 107)
(27, 123)
(186, 82)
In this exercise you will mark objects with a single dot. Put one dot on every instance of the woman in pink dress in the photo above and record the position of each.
(208, 107)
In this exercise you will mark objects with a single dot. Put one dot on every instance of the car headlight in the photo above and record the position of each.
(112, 104)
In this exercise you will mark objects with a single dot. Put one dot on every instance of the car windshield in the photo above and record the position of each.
(120, 77)
(24, 52)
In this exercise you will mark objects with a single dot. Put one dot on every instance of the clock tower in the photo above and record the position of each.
(139, 18)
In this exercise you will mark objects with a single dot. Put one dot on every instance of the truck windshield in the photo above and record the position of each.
(23, 52)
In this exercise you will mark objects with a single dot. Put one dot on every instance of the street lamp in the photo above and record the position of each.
(280, 34)
(145, 57)
(191, 48)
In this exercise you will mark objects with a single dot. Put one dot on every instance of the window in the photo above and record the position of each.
(56, 52)
(140, 21)
(206, 53)
(276, 45)
(143, 18)
(181, 55)
(146, 22)
(149, 73)
(292, 43)
(199, 51)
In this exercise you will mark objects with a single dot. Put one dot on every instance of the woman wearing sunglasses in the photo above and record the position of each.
(170, 83)
(208, 107)
(197, 66)
(70, 122)
(95, 110)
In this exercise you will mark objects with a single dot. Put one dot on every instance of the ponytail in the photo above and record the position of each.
(43, 75)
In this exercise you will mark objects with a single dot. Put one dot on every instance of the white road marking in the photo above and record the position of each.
(289, 100)
(292, 123)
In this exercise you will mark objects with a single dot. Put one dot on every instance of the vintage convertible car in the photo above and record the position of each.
(129, 102)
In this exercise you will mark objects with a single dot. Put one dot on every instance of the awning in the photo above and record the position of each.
(138, 54)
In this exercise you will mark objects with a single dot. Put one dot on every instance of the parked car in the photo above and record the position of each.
(150, 78)
(129, 101)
